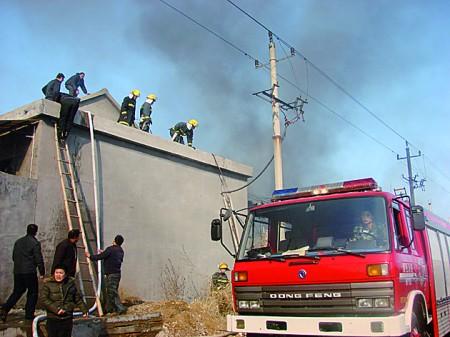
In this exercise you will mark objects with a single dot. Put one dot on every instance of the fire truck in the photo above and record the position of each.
(341, 259)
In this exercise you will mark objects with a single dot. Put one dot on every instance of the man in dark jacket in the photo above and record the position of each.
(66, 253)
(75, 82)
(60, 297)
(113, 258)
(128, 108)
(69, 108)
(53, 88)
(27, 256)
(183, 129)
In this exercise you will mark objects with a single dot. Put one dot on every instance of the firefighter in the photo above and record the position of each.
(128, 108)
(219, 279)
(182, 129)
(52, 89)
(146, 112)
(75, 82)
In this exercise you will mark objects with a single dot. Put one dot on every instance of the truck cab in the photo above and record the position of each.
(343, 259)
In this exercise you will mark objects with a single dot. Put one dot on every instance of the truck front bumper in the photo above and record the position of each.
(320, 326)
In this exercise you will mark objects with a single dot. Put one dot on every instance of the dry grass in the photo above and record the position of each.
(203, 317)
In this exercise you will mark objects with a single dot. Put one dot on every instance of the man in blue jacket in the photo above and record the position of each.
(27, 256)
(75, 82)
(113, 258)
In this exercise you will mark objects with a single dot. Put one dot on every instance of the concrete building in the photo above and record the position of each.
(161, 196)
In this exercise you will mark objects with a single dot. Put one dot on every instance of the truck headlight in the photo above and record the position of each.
(382, 302)
(243, 305)
(254, 305)
(364, 303)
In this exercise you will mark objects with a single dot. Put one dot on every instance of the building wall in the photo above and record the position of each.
(163, 206)
(17, 210)
(159, 195)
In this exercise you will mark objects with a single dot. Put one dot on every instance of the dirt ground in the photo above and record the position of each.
(203, 317)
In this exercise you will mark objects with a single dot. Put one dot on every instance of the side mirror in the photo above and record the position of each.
(216, 230)
(418, 218)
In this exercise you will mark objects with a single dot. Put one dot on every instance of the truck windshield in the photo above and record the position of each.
(326, 227)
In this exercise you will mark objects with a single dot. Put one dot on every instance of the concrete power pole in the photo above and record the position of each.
(410, 179)
(278, 162)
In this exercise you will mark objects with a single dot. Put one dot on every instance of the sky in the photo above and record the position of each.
(388, 61)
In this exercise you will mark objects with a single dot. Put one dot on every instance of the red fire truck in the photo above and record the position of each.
(342, 259)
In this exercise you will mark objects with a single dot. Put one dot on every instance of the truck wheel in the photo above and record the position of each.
(418, 327)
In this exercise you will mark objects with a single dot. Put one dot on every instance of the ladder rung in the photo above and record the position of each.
(69, 188)
(71, 200)
(74, 216)
(82, 262)
(81, 247)
(64, 161)
(88, 296)
(86, 280)
(66, 173)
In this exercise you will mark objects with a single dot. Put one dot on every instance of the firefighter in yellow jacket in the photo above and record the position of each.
(219, 279)
(128, 108)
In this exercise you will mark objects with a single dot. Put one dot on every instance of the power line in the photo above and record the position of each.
(334, 82)
(320, 71)
(208, 30)
(279, 75)
(307, 62)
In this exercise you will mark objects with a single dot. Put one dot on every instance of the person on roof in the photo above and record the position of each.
(75, 82)
(219, 279)
(146, 112)
(52, 89)
(184, 129)
(128, 108)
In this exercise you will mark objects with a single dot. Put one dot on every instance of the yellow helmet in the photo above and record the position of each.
(223, 265)
(136, 92)
(152, 96)
(193, 122)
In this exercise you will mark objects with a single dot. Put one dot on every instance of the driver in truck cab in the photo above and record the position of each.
(369, 230)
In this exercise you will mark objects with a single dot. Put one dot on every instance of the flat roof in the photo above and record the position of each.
(43, 108)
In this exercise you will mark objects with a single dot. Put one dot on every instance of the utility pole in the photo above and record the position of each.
(278, 162)
(410, 179)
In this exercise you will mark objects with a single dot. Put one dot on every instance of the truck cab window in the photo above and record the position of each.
(322, 227)
(397, 224)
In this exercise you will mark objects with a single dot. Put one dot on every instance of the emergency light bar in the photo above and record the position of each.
(367, 184)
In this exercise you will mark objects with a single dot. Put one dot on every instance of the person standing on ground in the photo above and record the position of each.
(113, 258)
(60, 297)
(27, 256)
(75, 82)
(52, 89)
(219, 279)
(66, 253)
(182, 129)
(146, 112)
(128, 108)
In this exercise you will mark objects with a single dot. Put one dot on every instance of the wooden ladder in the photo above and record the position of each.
(86, 272)
(228, 202)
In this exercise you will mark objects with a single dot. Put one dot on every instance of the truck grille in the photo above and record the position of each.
(322, 299)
